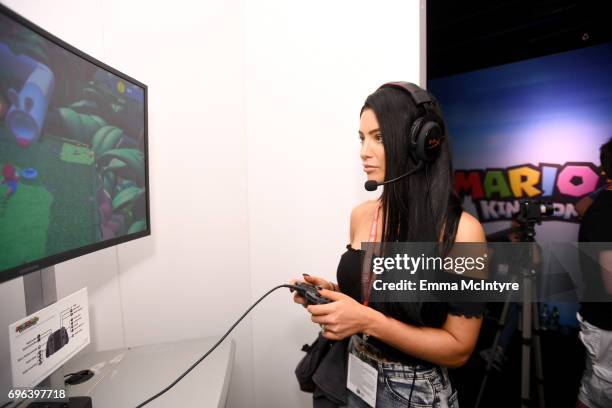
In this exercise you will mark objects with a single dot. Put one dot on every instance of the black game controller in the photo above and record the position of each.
(310, 293)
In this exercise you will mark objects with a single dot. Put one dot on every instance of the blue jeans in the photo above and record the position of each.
(596, 385)
(402, 385)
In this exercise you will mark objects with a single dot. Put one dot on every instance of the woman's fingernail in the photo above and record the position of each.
(305, 274)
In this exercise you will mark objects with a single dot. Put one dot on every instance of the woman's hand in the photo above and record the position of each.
(313, 280)
(343, 317)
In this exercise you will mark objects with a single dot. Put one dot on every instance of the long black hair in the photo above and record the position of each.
(422, 207)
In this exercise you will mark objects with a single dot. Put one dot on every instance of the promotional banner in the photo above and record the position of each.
(531, 130)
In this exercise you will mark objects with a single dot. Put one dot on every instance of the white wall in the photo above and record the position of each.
(310, 66)
(253, 118)
(190, 278)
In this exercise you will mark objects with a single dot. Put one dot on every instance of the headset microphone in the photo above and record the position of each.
(372, 185)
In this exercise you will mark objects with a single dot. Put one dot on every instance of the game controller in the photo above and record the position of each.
(310, 293)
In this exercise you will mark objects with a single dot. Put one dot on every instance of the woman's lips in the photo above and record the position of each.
(369, 169)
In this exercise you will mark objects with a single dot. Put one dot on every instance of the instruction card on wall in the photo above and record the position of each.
(43, 341)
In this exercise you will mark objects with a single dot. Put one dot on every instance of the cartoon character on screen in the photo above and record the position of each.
(10, 178)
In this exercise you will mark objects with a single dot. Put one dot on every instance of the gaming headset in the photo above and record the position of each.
(427, 131)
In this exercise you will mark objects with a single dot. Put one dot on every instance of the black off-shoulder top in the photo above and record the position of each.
(433, 314)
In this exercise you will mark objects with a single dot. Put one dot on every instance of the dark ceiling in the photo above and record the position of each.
(468, 35)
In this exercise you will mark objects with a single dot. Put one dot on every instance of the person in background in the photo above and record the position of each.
(585, 202)
(595, 317)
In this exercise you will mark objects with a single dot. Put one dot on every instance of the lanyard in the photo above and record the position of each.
(368, 275)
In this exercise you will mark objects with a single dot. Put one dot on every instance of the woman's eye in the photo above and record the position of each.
(361, 139)
(379, 138)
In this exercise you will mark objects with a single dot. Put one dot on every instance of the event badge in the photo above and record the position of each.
(362, 379)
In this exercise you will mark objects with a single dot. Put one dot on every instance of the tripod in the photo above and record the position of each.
(530, 332)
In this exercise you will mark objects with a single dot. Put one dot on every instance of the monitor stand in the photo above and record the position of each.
(40, 291)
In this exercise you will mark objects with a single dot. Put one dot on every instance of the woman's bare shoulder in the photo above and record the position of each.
(359, 214)
(363, 209)
(469, 229)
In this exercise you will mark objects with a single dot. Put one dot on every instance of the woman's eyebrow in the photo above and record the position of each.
(371, 132)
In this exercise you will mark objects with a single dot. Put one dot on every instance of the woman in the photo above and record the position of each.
(409, 344)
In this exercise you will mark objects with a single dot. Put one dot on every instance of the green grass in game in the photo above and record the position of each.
(24, 223)
(52, 213)
(77, 154)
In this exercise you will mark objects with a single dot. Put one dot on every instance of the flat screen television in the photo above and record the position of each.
(73, 151)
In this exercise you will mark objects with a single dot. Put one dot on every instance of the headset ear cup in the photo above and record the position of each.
(414, 138)
(430, 141)
(426, 133)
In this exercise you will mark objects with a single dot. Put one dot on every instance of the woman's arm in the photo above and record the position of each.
(451, 345)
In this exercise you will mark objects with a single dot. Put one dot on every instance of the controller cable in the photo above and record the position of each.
(292, 287)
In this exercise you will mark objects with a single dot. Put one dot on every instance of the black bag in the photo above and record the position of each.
(310, 362)
(322, 371)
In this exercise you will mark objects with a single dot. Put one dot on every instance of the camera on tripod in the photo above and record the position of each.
(532, 211)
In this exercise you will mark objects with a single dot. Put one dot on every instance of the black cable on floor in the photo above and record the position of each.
(211, 350)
